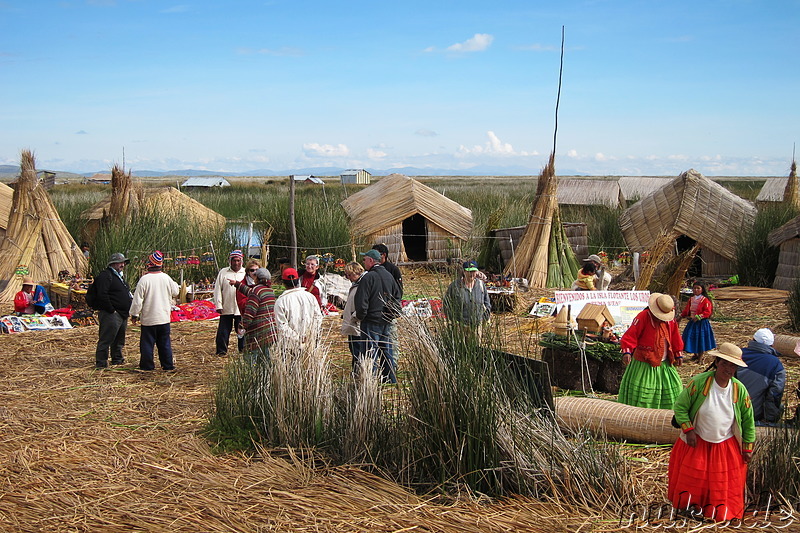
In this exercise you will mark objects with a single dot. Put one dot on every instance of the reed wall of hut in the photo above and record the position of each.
(713, 264)
(577, 233)
(788, 272)
(418, 240)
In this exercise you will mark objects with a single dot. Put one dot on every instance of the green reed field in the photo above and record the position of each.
(321, 222)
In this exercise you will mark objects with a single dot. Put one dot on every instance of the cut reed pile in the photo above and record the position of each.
(118, 450)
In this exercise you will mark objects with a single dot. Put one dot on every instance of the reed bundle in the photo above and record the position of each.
(661, 247)
(543, 255)
(791, 195)
(36, 237)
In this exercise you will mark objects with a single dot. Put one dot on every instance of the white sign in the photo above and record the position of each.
(623, 305)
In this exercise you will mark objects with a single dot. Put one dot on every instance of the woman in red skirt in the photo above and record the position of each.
(708, 463)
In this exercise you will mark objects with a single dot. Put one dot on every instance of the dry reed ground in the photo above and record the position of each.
(119, 449)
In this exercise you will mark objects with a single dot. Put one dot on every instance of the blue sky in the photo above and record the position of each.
(649, 87)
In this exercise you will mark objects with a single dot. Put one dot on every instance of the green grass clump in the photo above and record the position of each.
(756, 260)
(458, 418)
(793, 303)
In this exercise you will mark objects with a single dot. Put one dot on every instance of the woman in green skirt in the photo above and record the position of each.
(651, 349)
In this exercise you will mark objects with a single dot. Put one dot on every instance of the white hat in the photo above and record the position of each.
(764, 336)
(593, 258)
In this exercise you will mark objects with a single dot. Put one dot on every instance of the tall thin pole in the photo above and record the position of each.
(292, 228)
(558, 98)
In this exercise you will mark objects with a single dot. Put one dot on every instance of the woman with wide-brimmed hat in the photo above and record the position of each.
(708, 463)
(651, 349)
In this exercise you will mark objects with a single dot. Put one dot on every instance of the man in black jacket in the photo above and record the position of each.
(390, 267)
(113, 304)
(376, 300)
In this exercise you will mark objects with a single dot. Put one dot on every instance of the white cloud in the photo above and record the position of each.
(425, 132)
(372, 153)
(494, 146)
(572, 153)
(325, 150)
(477, 43)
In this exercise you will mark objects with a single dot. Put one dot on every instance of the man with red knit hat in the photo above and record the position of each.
(152, 304)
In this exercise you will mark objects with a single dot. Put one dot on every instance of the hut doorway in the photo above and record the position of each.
(684, 244)
(415, 238)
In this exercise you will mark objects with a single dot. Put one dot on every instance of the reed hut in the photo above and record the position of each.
(780, 190)
(127, 200)
(634, 188)
(35, 243)
(579, 191)
(6, 199)
(415, 222)
(787, 238)
(691, 209)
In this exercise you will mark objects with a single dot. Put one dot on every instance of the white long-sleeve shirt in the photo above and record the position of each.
(224, 293)
(153, 299)
(298, 317)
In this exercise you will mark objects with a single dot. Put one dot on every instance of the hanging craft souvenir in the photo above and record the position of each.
(207, 257)
(21, 270)
(180, 260)
(194, 259)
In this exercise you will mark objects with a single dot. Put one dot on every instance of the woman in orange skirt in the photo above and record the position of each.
(708, 463)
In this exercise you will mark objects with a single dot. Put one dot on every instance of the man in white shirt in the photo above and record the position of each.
(152, 304)
(225, 302)
(297, 314)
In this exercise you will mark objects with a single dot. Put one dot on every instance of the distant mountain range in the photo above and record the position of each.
(12, 171)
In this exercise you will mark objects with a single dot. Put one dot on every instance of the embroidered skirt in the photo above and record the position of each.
(698, 337)
(655, 387)
(711, 476)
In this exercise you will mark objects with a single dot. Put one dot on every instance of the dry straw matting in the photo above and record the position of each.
(118, 450)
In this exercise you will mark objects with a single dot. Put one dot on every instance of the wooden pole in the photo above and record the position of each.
(292, 228)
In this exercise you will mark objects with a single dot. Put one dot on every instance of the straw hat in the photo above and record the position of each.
(730, 352)
(662, 306)
(27, 280)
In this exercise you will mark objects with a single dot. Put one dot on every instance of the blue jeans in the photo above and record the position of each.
(111, 336)
(357, 345)
(155, 336)
(379, 346)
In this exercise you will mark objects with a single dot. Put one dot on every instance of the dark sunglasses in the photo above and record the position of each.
(252, 269)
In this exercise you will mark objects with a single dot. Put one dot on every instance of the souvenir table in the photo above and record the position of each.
(63, 295)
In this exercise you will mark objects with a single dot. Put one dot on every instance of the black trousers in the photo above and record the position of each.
(111, 337)
(228, 323)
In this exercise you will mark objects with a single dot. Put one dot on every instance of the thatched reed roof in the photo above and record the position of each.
(772, 190)
(790, 230)
(634, 188)
(35, 239)
(576, 191)
(396, 197)
(167, 200)
(6, 198)
(692, 205)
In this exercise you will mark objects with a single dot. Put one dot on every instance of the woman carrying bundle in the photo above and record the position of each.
(651, 349)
